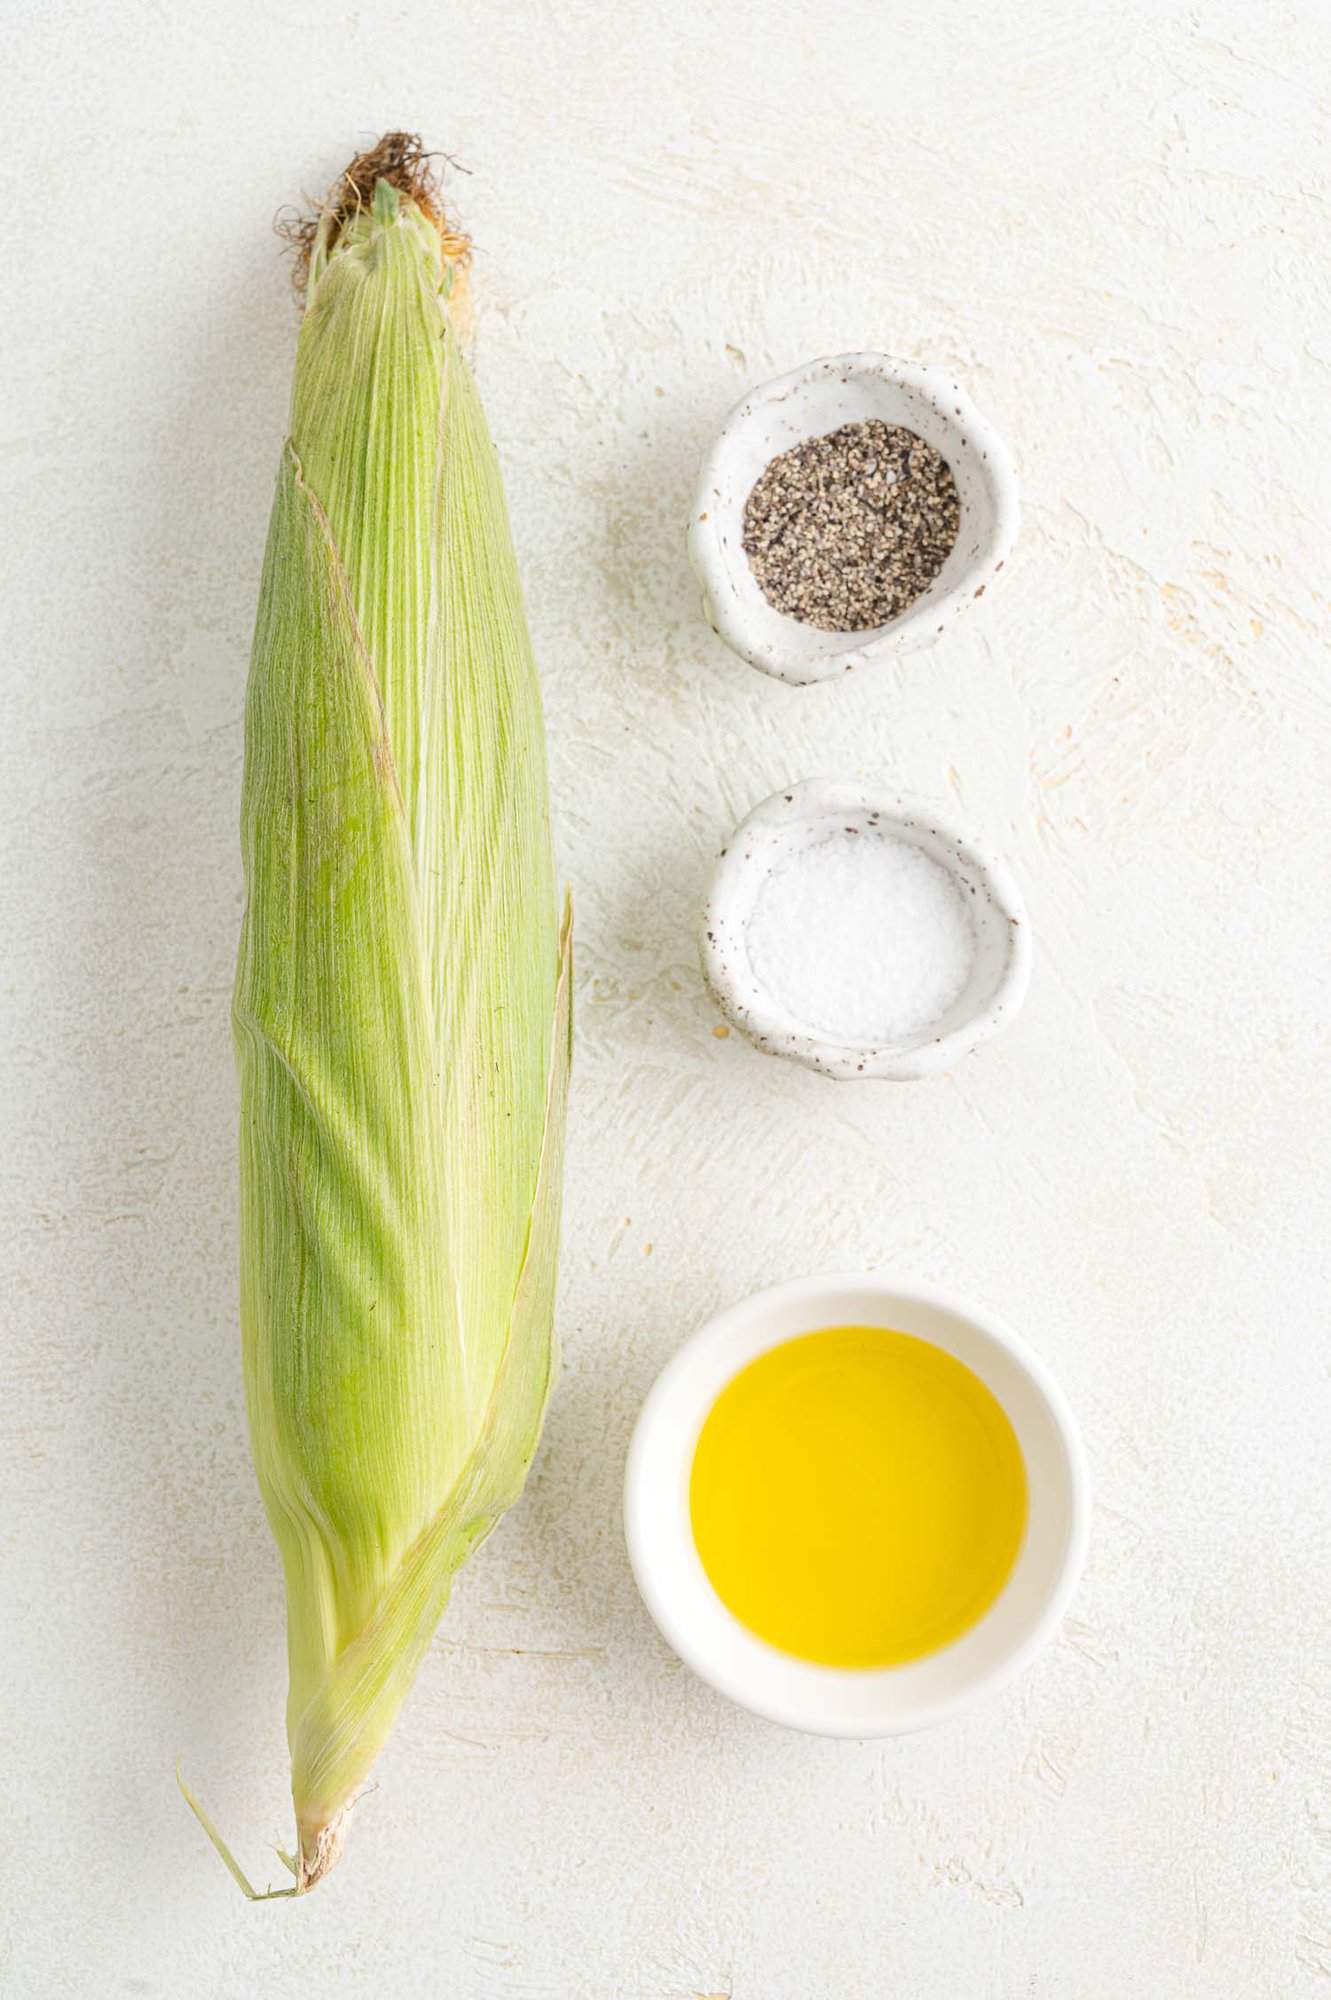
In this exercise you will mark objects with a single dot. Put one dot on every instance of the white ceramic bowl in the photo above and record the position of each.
(832, 1701)
(810, 402)
(801, 816)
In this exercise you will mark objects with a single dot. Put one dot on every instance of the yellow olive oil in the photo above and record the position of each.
(858, 1497)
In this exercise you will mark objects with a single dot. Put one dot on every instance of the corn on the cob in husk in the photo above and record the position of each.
(402, 998)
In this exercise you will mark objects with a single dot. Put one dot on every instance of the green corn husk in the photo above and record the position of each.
(402, 1006)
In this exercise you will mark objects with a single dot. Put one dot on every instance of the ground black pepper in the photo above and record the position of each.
(845, 531)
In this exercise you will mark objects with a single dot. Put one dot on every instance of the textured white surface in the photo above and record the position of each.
(1110, 222)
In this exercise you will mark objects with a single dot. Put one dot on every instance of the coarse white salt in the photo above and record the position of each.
(862, 938)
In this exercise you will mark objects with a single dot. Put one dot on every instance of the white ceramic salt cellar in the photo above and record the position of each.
(812, 402)
(805, 816)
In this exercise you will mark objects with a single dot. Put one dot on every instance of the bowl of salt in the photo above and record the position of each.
(854, 931)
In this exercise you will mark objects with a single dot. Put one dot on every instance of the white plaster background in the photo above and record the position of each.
(1111, 222)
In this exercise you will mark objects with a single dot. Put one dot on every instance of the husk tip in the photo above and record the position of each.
(399, 160)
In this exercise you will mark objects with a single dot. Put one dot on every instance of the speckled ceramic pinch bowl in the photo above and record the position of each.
(803, 816)
(811, 402)
(836, 1701)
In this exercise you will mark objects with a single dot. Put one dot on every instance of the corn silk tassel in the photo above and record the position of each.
(402, 1009)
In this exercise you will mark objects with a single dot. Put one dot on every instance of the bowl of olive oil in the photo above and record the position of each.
(856, 1504)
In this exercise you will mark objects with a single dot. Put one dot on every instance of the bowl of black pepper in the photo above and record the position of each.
(849, 511)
